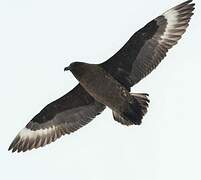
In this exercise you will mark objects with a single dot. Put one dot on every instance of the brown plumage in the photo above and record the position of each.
(108, 84)
(108, 91)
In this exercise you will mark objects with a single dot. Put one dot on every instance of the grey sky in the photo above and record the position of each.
(40, 37)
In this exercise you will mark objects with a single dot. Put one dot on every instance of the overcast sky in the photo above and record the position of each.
(39, 38)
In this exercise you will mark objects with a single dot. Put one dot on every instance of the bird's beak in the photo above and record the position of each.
(67, 68)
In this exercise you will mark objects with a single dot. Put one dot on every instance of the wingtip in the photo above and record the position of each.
(189, 2)
(19, 144)
(14, 144)
(9, 148)
(27, 139)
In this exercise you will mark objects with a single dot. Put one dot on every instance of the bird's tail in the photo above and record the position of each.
(135, 112)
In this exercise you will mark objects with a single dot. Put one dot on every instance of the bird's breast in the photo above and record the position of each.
(104, 88)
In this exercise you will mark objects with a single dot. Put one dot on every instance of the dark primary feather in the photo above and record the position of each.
(63, 116)
(148, 46)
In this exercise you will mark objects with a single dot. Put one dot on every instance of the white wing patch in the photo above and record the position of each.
(177, 22)
(172, 20)
(27, 133)
(28, 139)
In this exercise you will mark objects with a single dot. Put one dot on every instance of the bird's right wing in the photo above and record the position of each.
(63, 116)
(148, 46)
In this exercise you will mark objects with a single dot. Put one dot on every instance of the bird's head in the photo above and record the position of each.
(77, 68)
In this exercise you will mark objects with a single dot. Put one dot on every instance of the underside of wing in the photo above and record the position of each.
(63, 116)
(148, 46)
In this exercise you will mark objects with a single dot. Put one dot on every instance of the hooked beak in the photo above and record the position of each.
(67, 68)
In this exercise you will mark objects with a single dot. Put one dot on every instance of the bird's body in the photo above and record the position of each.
(103, 87)
(108, 84)
(108, 91)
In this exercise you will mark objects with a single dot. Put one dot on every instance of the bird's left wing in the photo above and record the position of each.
(63, 116)
(148, 46)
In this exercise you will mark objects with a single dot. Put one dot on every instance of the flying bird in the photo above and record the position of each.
(109, 83)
